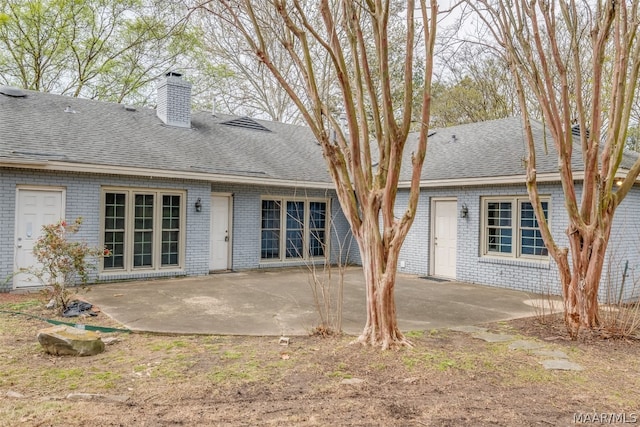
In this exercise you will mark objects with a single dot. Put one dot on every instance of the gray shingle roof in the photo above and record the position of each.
(488, 149)
(38, 128)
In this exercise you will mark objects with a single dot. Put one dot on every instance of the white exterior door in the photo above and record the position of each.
(220, 236)
(445, 233)
(34, 208)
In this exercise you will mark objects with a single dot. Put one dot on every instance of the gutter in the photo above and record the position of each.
(499, 180)
(52, 165)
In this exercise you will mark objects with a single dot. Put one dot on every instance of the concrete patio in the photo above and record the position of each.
(280, 302)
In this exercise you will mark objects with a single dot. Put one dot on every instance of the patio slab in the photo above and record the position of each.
(280, 302)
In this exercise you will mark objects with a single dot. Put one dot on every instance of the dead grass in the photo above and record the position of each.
(446, 379)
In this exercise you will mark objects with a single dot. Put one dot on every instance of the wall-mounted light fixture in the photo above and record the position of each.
(199, 205)
(619, 182)
(464, 211)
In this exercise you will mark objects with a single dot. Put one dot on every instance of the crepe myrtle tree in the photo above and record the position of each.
(578, 62)
(364, 157)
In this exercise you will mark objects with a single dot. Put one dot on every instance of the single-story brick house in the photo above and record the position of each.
(172, 192)
(169, 192)
(474, 222)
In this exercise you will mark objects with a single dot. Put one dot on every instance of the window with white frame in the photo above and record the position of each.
(510, 228)
(143, 229)
(293, 229)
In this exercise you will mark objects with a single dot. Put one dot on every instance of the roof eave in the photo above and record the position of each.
(57, 166)
(488, 180)
(50, 165)
(498, 180)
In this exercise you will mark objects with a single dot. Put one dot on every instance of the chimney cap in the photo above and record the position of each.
(173, 74)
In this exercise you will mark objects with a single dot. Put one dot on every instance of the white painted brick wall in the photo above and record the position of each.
(470, 266)
(247, 217)
(623, 250)
(83, 199)
(514, 273)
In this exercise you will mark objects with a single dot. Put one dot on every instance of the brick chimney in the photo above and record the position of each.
(174, 101)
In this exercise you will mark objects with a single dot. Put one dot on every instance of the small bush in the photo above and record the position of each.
(63, 263)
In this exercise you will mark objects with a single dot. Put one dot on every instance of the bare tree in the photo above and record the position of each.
(473, 86)
(94, 49)
(580, 62)
(365, 158)
(235, 81)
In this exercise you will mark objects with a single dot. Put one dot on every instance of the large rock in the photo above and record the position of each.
(67, 341)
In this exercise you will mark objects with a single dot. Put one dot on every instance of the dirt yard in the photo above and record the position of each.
(448, 379)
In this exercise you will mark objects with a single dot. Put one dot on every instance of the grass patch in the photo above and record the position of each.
(231, 355)
(529, 375)
(22, 305)
(340, 372)
(168, 345)
(107, 379)
(172, 368)
(62, 374)
(414, 334)
(378, 366)
(234, 373)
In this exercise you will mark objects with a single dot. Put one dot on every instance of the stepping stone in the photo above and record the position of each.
(556, 354)
(560, 365)
(491, 337)
(468, 329)
(525, 345)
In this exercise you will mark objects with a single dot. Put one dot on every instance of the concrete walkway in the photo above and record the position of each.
(280, 302)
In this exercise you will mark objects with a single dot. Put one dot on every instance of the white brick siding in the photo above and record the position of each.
(530, 276)
(83, 193)
(623, 250)
(83, 199)
(247, 216)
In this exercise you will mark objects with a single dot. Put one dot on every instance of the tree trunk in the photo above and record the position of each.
(581, 280)
(379, 264)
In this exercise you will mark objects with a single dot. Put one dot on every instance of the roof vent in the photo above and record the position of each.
(246, 123)
(130, 108)
(576, 131)
(69, 110)
(13, 92)
(454, 139)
